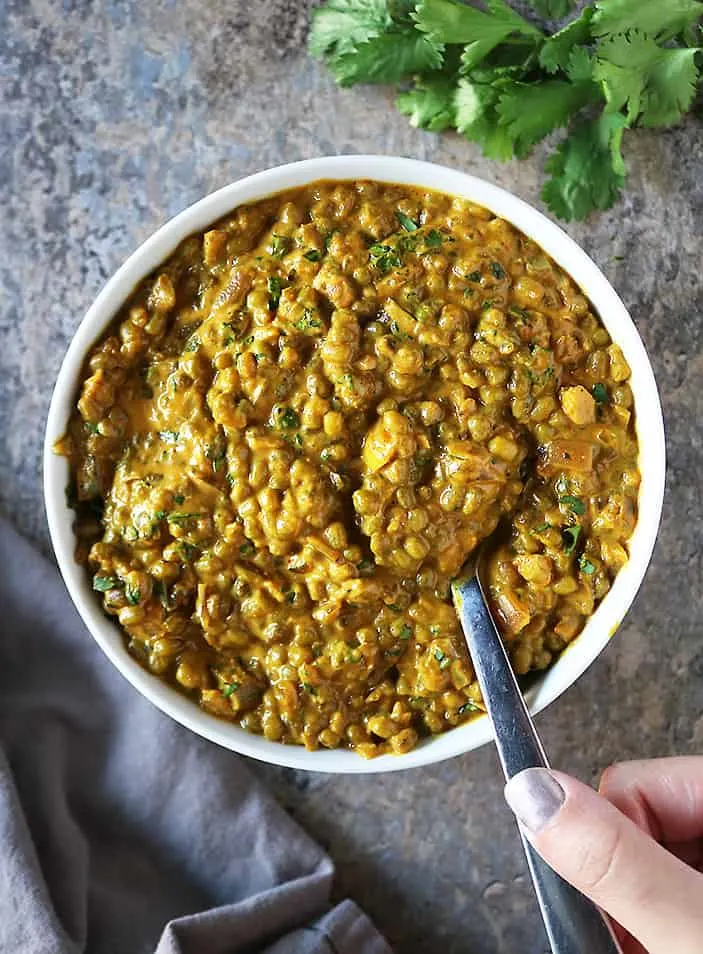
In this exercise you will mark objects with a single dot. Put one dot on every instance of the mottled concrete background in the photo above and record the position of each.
(116, 115)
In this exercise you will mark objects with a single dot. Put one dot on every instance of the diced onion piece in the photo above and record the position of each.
(513, 612)
(380, 447)
(570, 455)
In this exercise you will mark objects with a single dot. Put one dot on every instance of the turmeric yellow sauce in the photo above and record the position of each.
(299, 428)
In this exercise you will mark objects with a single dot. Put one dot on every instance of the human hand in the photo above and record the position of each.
(636, 848)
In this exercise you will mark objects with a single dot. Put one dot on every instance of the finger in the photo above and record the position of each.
(652, 894)
(662, 796)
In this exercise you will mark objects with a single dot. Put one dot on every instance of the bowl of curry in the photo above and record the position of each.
(293, 414)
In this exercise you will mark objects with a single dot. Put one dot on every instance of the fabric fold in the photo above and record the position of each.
(121, 830)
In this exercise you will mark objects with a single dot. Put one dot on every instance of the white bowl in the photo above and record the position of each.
(650, 431)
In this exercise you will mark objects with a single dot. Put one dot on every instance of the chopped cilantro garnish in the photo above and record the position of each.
(133, 594)
(406, 221)
(600, 393)
(570, 536)
(585, 565)
(308, 321)
(279, 245)
(275, 286)
(291, 596)
(497, 270)
(468, 707)
(575, 504)
(406, 631)
(179, 499)
(384, 257)
(473, 277)
(229, 689)
(542, 527)
(192, 344)
(442, 658)
(187, 550)
(169, 437)
(313, 255)
(246, 549)
(434, 238)
(104, 583)
(288, 418)
(520, 313)
(181, 517)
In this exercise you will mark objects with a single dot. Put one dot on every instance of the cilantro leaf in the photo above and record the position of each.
(477, 119)
(671, 88)
(388, 58)
(341, 24)
(384, 257)
(275, 286)
(408, 224)
(653, 84)
(579, 67)
(468, 707)
(570, 537)
(530, 111)
(556, 50)
(104, 583)
(452, 22)
(280, 244)
(133, 594)
(448, 21)
(587, 170)
(600, 393)
(553, 9)
(430, 103)
(442, 658)
(659, 18)
(307, 321)
(288, 418)
(575, 504)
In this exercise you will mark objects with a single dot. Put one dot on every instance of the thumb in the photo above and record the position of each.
(650, 892)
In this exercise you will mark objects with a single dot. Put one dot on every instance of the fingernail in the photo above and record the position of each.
(535, 796)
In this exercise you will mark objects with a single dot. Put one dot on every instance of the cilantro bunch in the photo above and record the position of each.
(505, 83)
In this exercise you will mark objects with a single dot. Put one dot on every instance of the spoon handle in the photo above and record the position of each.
(573, 923)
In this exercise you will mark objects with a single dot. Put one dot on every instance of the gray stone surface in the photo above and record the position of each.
(118, 113)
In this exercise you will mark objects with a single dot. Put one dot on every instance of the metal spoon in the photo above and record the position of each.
(574, 925)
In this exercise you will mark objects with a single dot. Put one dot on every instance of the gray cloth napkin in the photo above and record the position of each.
(120, 831)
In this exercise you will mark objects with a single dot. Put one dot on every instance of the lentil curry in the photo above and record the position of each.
(297, 430)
